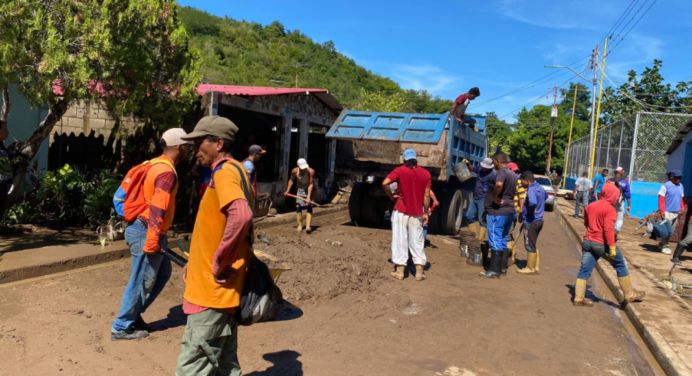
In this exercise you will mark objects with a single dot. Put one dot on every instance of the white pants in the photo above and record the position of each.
(407, 235)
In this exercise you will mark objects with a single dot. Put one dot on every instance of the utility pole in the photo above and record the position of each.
(594, 82)
(569, 142)
(598, 108)
(299, 65)
(553, 116)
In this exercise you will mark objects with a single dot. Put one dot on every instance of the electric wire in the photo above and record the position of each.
(624, 14)
(635, 24)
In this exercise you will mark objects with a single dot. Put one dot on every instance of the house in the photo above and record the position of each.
(289, 123)
(680, 155)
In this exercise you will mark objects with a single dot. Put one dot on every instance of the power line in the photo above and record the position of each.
(630, 20)
(619, 21)
(528, 86)
(635, 24)
(536, 99)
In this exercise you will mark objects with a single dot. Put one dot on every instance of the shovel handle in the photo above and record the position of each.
(302, 199)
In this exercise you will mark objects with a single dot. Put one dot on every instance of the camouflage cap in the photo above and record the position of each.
(213, 126)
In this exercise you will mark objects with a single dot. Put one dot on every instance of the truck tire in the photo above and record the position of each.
(452, 210)
(372, 209)
(355, 203)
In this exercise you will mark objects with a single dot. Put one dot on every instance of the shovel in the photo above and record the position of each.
(303, 199)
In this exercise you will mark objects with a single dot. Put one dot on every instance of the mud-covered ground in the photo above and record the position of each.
(351, 318)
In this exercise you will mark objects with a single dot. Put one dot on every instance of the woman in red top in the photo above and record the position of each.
(599, 241)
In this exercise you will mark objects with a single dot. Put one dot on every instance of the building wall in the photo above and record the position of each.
(681, 159)
(23, 121)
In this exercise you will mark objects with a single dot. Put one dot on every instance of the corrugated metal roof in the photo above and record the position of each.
(322, 95)
(679, 137)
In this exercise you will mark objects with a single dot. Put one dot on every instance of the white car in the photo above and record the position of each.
(544, 181)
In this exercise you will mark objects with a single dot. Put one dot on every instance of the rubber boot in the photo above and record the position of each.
(505, 259)
(299, 216)
(473, 228)
(420, 275)
(630, 294)
(510, 259)
(494, 267)
(676, 256)
(399, 273)
(308, 229)
(483, 234)
(530, 269)
(538, 261)
(580, 293)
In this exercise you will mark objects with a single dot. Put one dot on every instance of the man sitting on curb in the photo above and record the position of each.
(599, 241)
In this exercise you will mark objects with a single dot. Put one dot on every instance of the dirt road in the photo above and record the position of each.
(352, 318)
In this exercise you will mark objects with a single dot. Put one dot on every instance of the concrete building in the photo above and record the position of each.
(680, 156)
(288, 123)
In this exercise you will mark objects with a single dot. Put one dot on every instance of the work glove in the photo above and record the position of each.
(465, 161)
(611, 252)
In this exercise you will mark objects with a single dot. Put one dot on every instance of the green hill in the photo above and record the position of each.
(248, 53)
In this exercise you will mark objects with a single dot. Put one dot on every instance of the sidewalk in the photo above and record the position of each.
(663, 319)
(35, 255)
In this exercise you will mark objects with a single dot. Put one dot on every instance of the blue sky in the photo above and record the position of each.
(449, 46)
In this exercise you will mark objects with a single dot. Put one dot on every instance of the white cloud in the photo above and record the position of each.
(631, 53)
(423, 77)
(559, 15)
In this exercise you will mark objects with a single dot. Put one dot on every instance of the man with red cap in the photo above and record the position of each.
(519, 197)
(599, 241)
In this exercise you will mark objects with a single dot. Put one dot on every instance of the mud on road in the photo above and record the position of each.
(351, 318)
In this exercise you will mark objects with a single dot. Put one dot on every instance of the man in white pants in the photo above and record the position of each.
(412, 204)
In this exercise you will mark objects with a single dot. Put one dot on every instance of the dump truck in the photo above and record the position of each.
(370, 145)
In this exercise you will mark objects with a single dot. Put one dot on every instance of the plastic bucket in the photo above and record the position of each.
(475, 257)
(462, 172)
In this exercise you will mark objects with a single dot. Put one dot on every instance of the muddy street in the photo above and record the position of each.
(351, 317)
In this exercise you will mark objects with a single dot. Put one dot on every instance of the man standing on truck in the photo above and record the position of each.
(499, 204)
(305, 176)
(484, 175)
(410, 215)
(461, 104)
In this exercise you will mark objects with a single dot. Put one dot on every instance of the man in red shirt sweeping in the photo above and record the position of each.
(599, 241)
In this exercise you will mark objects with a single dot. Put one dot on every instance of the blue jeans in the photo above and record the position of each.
(583, 199)
(150, 273)
(498, 230)
(592, 251)
(476, 209)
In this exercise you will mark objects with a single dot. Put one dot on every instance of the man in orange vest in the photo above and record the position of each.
(146, 237)
(220, 254)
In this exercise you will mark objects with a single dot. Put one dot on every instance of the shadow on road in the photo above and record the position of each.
(286, 363)
(176, 317)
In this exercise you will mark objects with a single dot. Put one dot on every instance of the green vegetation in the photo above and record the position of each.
(248, 53)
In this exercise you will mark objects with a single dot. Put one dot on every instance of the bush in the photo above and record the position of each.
(68, 197)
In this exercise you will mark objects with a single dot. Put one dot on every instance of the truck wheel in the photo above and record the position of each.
(452, 212)
(355, 202)
(372, 210)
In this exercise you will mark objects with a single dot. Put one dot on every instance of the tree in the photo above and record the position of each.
(133, 56)
(498, 132)
(649, 93)
(381, 102)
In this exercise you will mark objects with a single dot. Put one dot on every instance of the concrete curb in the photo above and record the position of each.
(664, 354)
(39, 270)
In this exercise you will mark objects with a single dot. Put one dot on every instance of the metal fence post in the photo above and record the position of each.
(634, 148)
(610, 131)
(622, 128)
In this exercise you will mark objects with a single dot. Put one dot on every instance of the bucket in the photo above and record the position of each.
(475, 257)
(464, 248)
(462, 172)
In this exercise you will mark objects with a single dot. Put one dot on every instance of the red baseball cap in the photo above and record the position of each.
(513, 166)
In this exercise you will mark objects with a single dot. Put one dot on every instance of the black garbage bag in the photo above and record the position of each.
(257, 293)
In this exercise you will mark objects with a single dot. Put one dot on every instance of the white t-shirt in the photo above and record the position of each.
(583, 184)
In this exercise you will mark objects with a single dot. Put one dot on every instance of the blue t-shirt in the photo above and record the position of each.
(204, 175)
(534, 203)
(601, 180)
(250, 168)
(673, 195)
(484, 177)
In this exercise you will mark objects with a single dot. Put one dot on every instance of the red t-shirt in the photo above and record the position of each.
(462, 99)
(412, 183)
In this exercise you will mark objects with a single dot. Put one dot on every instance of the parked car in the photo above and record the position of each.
(544, 181)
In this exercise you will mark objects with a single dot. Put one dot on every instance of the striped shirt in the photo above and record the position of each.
(520, 194)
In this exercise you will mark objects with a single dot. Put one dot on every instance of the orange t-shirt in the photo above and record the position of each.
(200, 288)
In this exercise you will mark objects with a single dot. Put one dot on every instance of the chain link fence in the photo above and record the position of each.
(638, 143)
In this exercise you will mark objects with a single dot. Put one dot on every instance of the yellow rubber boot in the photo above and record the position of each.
(510, 247)
(580, 293)
(399, 273)
(299, 216)
(308, 229)
(531, 260)
(420, 275)
(630, 294)
(538, 261)
(473, 228)
(483, 235)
